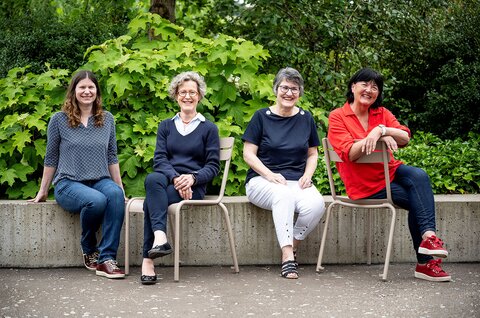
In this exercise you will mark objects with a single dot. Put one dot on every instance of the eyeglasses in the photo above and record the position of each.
(184, 93)
(285, 89)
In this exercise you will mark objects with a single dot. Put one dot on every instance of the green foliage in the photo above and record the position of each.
(134, 73)
(26, 103)
(452, 165)
(35, 32)
(451, 80)
(427, 50)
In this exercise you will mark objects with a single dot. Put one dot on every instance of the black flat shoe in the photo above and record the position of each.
(160, 250)
(148, 280)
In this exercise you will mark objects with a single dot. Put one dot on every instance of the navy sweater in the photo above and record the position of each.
(197, 152)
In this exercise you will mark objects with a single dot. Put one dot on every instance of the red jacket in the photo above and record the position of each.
(361, 180)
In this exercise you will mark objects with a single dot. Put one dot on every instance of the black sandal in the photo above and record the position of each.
(289, 270)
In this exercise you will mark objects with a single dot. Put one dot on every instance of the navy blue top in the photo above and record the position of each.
(282, 142)
(198, 152)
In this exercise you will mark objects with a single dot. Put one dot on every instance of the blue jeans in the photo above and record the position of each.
(160, 193)
(99, 202)
(412, 191)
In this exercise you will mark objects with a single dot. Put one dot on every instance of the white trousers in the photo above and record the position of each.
(284, 201)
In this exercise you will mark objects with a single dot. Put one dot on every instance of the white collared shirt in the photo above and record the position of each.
(186, 129)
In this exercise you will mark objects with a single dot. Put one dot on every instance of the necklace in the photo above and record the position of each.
(186, 122)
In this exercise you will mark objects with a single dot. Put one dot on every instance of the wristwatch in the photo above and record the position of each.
(384, 129)
(194, 176)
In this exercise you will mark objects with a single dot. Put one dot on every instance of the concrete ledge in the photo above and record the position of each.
(44, 235)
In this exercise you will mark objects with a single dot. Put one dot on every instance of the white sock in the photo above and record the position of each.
(160, 238)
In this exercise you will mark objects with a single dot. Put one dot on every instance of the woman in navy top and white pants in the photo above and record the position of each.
(280, 146)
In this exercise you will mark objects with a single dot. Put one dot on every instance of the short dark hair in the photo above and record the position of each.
(366, 75)
(290, 74)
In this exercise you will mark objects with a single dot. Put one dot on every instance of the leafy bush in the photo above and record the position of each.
(134, 74)
(452, 165)
(35, 33)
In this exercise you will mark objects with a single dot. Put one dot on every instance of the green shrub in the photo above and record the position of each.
(134, 73)
(452, 165)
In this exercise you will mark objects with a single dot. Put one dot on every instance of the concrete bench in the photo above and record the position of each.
(44, 235)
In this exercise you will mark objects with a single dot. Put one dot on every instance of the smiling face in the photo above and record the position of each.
(365, 93)
(189, 101)
(287, 94)
(85, 92)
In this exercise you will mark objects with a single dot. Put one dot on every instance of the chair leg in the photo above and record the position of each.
(230, 236)
(127, 241)
(369, 237)
(390, 243)
(176, 261)
(324, 236)
(172, 228)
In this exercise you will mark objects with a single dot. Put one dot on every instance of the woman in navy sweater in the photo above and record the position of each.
(186, 159)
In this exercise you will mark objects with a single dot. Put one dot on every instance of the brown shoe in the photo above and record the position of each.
(90, 261)
(109, 269)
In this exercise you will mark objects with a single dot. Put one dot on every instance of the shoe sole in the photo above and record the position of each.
(154, 255)
(114, 276)
(91, 268)
(148, 282)
(436, 253)
(432, 279)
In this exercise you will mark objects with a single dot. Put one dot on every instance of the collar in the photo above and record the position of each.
(198, 116)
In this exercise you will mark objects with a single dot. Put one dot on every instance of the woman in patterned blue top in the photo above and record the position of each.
(280, 146)
(81, 161)
(187, 157)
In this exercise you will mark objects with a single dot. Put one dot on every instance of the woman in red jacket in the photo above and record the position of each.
(353, 131)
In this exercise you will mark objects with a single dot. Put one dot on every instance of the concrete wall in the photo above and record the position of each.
(44, 235)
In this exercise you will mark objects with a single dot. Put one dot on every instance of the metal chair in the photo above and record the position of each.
(174, 211)
(381, 154)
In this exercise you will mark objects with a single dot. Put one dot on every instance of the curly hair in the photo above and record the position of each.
(70, 106)
(185, 77)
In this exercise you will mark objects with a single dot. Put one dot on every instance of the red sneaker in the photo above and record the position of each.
(432, 271)
(433, 246)
(109, 269)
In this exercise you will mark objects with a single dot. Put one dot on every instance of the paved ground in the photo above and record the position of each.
(257, 291)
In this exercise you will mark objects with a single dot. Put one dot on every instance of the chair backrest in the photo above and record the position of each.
(226, 150)
(380, 155)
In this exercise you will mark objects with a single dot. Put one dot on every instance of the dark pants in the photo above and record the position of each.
(412, 191)
(160, 193)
